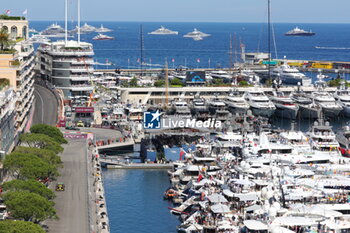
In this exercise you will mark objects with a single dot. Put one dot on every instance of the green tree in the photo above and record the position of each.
(243, 83)
(5, 40)
(31, 186)
(133, 82)
(50, 131)
(11, 226)
(47, 155)
(176, 82)
(29, 166)
(42, 141)
(159, 83)
(29, 206)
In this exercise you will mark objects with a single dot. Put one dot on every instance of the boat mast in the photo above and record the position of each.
(269, 35)
(141, 50)
(166, 85)
(231, 54)
(65, 21)
(78, 22)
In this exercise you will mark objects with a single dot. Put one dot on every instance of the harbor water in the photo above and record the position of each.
(135, 201)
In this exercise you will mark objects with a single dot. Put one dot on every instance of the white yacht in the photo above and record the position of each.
(307, 107)
(322, 137)
(218, 109)
(163, 31)
(330, 107)
(327, 103)
(196, 33)
(199, 105)
(102, 29)
(259, 103)
(342, 96)
(236, 103)
(54, 30)
(38, 38)
(291, 76)
(299, 32)
(181, 109)
(285, 107)
(220, 74)
(87, 28)
(101, 36)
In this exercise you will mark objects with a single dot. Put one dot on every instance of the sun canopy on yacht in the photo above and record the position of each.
(220, 208)
(217, 198)
(228, 193)
(255, 225)
(247, 196)
(294, 221)
(276, 229)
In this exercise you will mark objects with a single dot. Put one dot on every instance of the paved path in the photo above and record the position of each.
(45, 106)
(72, 204)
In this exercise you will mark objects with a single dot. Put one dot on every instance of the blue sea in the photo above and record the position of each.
(213, 51)
(134, 197)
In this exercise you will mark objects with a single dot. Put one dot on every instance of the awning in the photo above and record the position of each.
(255, 225)
(217, 198)
(220, 208)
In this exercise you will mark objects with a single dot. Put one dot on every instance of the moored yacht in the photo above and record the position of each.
(330, 107)
(259, 103)
(181, 109)
(342, 96)
(291, 76)
(220, 74)
(322, 137)
(343, 137)
(163, 31)
(86, 28)
(236, 103)
(307, 107)
(299, 32)
(218, 109)
(54, 30)
(285, 107)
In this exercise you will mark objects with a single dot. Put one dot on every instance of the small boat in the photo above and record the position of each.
(102, 37)
(163, 31)
(299, 32)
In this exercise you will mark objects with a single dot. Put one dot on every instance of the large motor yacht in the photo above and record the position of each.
(236, 103)
(299, 32)
(196, 33)
(102, 29)
(342, 96)
(291, 76)
(101, 36)
(86, 28)
(181, 109)
(221, 74)
(285, 107)
(322, 137)
(343, 137)
(54, 30)
(163, 31)
(259, 103)
(218, 109)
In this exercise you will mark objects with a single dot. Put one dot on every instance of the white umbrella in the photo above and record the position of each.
(220, 208)
(216, 198)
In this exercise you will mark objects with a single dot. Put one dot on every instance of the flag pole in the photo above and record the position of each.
(78, 22)
(65, 19)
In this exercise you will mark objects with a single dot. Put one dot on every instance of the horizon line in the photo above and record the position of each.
(136, 21)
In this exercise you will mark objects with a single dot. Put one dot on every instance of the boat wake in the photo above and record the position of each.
(333, 48)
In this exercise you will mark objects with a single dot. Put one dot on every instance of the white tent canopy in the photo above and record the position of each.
(220, 208)
(217, 198)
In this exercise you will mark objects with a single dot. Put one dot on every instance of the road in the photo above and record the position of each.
(45, 106)
(72, 204)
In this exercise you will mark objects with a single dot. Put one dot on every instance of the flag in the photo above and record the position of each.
(106, 60)
(173, 60)
(182, 152)
(7, 12)
(25, 12)
(138, 60)
(198, 60)
(199, 178)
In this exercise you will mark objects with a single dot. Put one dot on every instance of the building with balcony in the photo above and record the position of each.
(17, 66)
(17, 27)
(68, 66)
(7, 120)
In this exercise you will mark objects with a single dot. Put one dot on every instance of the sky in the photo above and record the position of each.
(292, 11)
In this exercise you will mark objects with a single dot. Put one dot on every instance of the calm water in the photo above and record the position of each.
(135, 201)
(135, 197)
(124, 51)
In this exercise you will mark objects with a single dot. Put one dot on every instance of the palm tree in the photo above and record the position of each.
(5, 40)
